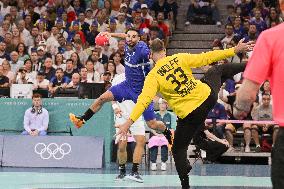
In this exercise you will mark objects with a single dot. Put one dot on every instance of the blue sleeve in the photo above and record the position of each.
(66, 80)
(223, 113)
(52, 80)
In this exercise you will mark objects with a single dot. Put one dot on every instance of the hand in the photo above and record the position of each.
(123, 128)
(244, 47)
(36, 132)
(225, 142)
(118, 112)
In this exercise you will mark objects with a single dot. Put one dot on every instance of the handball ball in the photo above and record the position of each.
(102, 40)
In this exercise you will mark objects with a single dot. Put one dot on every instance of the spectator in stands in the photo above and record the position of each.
(145, 14)
(252, 33)
(7, 71)
(75, 81)
(231, 14)
(98, 66)
(36, 64)
(36, 118)
(8, 40)
(30, 73)
(17, 37)
(229, 35)
(258, 21)
(112, 69)
(173, 12)
(59, 81)
(117, 61)
(93, 76)
(84, 75)
(5, 28)
(238, 28)
(203, 7)
(41, 82)
(161, 6)
(22, 77)
(273, 17)
(120, 50)
(159, 140)
(90, 36)
(76, 61)
(106, 79)
(138, 23)
(60, 24)
(70, 69)
(3, 53)
(102, 57)
(218, 112)
(48, 70)
(22, 51)
(80, 51)
(246, 25)
(259, 5)
(263, 112)
(264, 89)
(4, 81)
(58, 62)
(163, 27)
(15, 62)
(121, 23)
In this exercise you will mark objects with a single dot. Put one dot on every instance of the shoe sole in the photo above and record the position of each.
(133, 179)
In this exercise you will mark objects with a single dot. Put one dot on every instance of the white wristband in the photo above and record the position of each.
(114, 106)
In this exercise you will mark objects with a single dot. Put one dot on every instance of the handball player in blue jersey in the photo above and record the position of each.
(137, 66)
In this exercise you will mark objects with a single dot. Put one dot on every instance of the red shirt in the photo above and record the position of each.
(267, 62)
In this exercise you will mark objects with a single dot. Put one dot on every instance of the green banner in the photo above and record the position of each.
(12, 115)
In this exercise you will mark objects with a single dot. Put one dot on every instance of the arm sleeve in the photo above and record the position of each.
(203, 59)
(45, 121)
(149, 91)
(27, 122)
(260, 65)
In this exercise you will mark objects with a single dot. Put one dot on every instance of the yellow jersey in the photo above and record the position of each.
(173, 78)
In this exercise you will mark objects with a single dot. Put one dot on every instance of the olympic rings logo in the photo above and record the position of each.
(52, 150)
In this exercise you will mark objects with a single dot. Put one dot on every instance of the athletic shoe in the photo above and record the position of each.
(77, 121)
(258, 148)
(163, 166)
(168, 135)
(120, 177)
(135, 177)
(247, 149)
(154, 166)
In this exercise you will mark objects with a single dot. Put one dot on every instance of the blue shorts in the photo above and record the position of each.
(123, 92)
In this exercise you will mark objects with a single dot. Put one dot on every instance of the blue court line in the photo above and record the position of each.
(31, 180)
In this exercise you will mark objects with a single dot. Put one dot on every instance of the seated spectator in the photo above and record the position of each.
(7, 71)
(22, 77)
(85, 27)
(84, 75)
(3, 53)
(261, 7)
(102, 57)
(264, 89)
(58, 62)
(36, 118)
(112, 69)
(75, 81)
(40, 82)
(76, 61)
(203, 7)
(258, 21)
(58, 81)
(211, 144)
(31, 74)
(120, 50)
(92, 34)
(252, 33)
(93, 76)
(273, 17)
(16, 36)
(48, 70)
(238, 28)
(8, 40)
(69, 69)
(173, 13)
(246, 25)
(22, 51)
(218, 112)
(163, 27)
(4, 81)
(161, 6)
(80, 51)
(15, 62)
(145, 14)
(121, 23)
(158, 140)
(106, 79)
(117, 61)
(229, 35)
(263, 112)
(98, 66)
(231, 14)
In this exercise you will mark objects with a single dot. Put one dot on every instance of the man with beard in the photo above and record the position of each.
(137, 66)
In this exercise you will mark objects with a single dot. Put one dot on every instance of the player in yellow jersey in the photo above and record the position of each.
(190, 99)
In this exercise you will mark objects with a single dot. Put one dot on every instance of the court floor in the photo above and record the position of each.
(208, 176)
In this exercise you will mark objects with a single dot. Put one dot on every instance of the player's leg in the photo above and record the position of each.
(138, 131)
(117, 93)
(122, 158)
(218, 74)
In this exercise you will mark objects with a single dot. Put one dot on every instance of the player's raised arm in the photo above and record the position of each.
(203, 59)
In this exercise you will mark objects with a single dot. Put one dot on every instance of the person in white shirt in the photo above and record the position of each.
(93, 76)
(75, 81)
(122, 111)
(40, 82)
(36, 118)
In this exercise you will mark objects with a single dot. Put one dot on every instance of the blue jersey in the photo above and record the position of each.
(137, 65)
